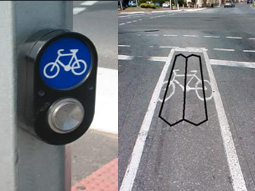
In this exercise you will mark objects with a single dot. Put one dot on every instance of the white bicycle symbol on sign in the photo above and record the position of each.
(75, 66)
(198, 85)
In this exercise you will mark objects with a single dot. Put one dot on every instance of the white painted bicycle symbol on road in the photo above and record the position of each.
(198, 85)
(77, 66)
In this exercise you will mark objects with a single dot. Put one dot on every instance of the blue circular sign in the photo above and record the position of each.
(65, 63)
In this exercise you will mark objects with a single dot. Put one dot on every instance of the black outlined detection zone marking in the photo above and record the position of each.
(185, 92)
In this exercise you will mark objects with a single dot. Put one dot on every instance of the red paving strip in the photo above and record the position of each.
(104, 179)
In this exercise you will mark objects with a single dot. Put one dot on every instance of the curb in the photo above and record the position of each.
(163, 11)
(104, 179)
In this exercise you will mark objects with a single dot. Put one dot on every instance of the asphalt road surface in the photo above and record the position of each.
(172, 138)
(98, 21)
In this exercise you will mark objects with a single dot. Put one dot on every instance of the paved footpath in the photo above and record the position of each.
(94, 163)
(104, 179)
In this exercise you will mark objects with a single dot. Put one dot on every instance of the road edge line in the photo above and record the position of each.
(132, 168)
(238, 182)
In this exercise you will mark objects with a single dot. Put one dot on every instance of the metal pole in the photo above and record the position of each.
(26, 163)
(121, 5)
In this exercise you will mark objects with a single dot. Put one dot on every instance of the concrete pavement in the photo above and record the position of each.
(98, 20)
(216, 155)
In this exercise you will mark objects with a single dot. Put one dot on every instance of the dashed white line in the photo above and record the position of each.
(211, 37)
(152, 35)
(237, 178)
(234, 37)
(157, 59)
(134, 21)
(140, 19)
(251, 38)
(88, 3)
(128, 22)
(124, 16)
(130, 174)
(250, 51)
(77, 10)
(224, 49)
(187, 35)
(123, 45)
(232, 63)
(125, 57)
(170, 35)
(122, 23)
(168, 47)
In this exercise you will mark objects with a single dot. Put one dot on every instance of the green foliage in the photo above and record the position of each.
(181, 2)
(141, 2)
(145, 5)
(152, 6)
(159, 1)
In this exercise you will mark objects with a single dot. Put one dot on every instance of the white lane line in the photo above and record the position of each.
(151, 46)
(130, 174)
(251, 38)
(128, 22)
(232, 63)
(157, 59)
(187, 35)
(224, 49)
(211, 37)
(77, 10)
(234, 37)
(134, 21)
(125, 57)
(237, 178)
(168, 47)
(140, 19)
(123, 16)
(88, 3)
(170, 35)
(251, 51)
(122, 24)
(152, 35)
(123, 45)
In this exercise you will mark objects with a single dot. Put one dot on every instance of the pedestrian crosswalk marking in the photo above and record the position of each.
(77, 10)
(88, 3)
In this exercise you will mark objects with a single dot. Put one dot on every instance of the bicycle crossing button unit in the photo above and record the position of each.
(57, 82)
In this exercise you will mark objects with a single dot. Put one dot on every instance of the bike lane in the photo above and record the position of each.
(190, 147)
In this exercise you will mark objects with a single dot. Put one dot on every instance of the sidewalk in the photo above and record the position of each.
(90, 153)
(104, 179)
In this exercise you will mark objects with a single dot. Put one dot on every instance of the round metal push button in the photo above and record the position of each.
(65, 115)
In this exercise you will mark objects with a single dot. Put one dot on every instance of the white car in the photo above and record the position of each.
(165, 5)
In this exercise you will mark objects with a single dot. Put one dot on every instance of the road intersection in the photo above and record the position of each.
(216, 155)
